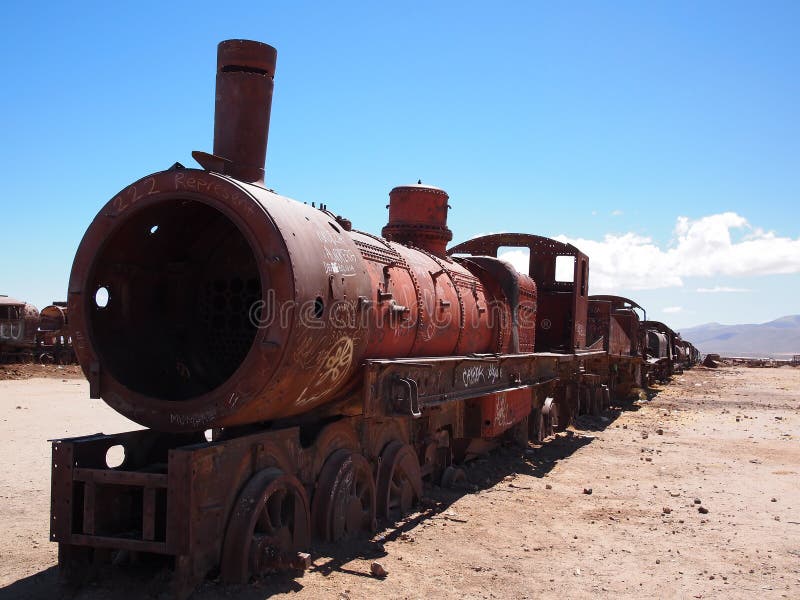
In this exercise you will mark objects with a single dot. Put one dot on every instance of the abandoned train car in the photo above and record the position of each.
(297, 378)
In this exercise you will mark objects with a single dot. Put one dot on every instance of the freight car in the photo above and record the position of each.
(18, 322)
(298, 378)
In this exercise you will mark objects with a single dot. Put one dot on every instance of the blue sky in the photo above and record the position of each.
(602, 123)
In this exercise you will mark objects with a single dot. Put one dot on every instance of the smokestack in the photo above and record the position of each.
(245, 73)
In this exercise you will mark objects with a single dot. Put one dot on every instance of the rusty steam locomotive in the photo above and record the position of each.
(298, 378)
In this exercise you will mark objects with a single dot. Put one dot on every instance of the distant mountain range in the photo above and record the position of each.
(777, 339)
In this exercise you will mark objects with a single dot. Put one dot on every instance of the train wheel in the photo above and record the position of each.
(550, 417)
(536, 426)
(399, 481)
(586, 400)
(594, 401)
(269, 529)
(344, 501)
(454, 477)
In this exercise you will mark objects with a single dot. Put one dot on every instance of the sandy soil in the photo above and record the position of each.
(726, 438)
(31, 370)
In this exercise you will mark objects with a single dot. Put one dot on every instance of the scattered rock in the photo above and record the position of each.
(702, 510)
(773, 500)
(377, 570)
(547, 486)
(698, 501)
(674, 494)
(666, 510)
(587, 491)
(660, 431)
(644, 435)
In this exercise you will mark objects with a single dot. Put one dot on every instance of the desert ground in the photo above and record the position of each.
(692, 491)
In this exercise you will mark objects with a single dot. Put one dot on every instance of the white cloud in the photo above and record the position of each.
(672, 309)
(517, 258)
(616, 213)
(700, 248)
(719, 289)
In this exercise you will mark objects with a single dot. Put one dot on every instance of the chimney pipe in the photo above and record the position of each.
(245, 74)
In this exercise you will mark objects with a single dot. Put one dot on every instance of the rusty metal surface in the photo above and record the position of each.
(501, 411)
(418, 218)
(614, 320)
(18, 323)
(245, 74)
(562, 305)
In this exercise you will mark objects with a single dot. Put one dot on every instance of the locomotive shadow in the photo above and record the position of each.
(483, 474)
(42, 585)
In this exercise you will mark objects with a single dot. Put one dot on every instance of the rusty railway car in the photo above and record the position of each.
(661, 353)
(53, 340)
(615, 326)
(297, 378)
(18, 322)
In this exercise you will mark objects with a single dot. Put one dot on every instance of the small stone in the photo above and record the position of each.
(377, 570)
(624, 426)
(702, 510)
(648, 459)
(698, 501)
(302, 561)
(773, 500)
(666, 510)
(577, 571)
(547, 486)
(674, 494)
(644, 435)
(587, 491)
(660, 431)
(658, 562)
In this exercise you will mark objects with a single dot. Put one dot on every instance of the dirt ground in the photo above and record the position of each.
(31, 370)
(725, 440)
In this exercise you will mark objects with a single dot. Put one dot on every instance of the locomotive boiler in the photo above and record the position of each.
(297, 378)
